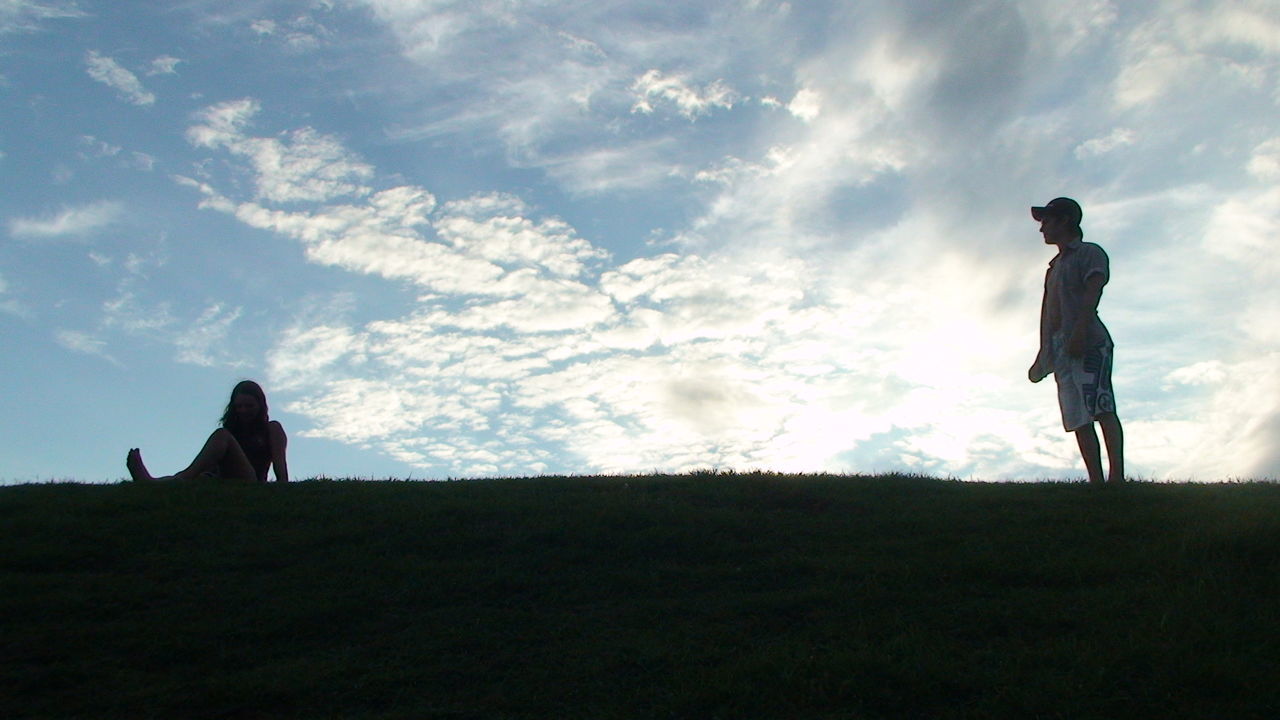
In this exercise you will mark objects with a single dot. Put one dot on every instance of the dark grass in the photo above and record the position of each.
(704, 596)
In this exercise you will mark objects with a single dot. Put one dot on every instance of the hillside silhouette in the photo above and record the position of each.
(708, 595)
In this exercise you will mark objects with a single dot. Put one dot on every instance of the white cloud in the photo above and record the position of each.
(1237, 396)
(302, 355)
(575, 106)
(362, 411)
(299, 34)
(1209, 372)
(1243, 229)
(9, 304)
(507, 239)
(675, 361)
(164, 65)
(109, 72)
(205, 341)
(1265, 162)
(1183, 48)
(26, 15)
(85, 343)
(74, 221)
(222, 123)
(143, 161)
(127, 312)
(304, 167)
(99, 148)
(1071, 25)
(610, 169)
(806, 105)
(654, 86)
(1254, 24)
(857, 289)
(96, 148)
(1118, 138)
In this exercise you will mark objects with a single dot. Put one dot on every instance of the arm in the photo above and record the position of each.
(1038, 371)
(278, 444)
(1080, 333)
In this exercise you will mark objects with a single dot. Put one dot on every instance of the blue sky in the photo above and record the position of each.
(463, 239)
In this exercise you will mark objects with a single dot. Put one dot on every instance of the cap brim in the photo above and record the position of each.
(1038, 213)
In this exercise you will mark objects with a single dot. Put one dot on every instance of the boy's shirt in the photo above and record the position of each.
(1063, 300)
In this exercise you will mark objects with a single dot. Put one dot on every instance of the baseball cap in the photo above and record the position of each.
(1063, 206)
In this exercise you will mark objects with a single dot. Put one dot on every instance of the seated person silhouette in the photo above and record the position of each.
(242, 450)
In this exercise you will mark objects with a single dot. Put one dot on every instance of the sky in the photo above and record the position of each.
(475, 238)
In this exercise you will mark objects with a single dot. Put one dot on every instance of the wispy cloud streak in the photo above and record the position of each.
(110, 73)
(71, 222)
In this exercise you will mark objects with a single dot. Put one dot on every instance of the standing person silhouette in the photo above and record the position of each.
(243, 449)
(1074, 344)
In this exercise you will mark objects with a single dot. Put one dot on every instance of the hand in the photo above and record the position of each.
(1033, 372)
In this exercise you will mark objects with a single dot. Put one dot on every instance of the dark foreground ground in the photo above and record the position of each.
(705, 596)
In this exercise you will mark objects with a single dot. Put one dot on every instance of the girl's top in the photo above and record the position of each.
(257, 448)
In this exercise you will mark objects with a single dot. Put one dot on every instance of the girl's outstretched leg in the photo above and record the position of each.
(136, 467)
(221, 456)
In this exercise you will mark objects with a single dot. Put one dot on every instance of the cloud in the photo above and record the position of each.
(299, 34)
(71, 222)
(304, 353)
(741, 359)
(579, 89)
(142, 161)
(492, 227)
(205, 341)
(108, 72)
(99, 148)
(164, 65)
(1265, 162)
(480, 246)
(806, 105)
(85, 343)
(304, 167)
(654, 86)
(1118, 138)
(1201, 53)
(1209, 372)
(854, 291)
(27, 15)
(126, 311)
(1236, 396)
(9, 304)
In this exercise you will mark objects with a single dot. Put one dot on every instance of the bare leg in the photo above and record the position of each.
(136, 467)
(1113, 436)
(1092, 453)
(221, 456)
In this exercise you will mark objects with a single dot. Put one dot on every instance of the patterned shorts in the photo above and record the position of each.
(1084, 386)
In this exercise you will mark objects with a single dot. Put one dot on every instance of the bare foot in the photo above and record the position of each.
(136, 468)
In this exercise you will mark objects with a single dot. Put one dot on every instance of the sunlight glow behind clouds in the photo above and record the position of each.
(669, 361)
(674, 360)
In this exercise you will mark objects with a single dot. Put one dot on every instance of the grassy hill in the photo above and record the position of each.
(702, 596)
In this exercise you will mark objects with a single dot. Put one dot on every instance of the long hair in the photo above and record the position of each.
(231, 421)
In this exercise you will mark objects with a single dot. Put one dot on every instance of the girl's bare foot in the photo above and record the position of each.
(136, 468)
